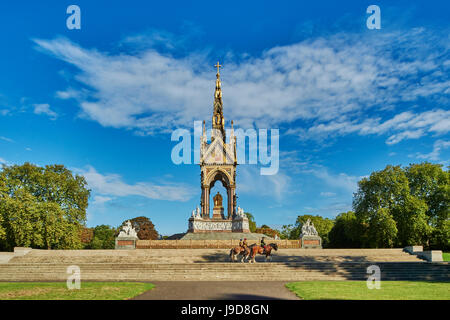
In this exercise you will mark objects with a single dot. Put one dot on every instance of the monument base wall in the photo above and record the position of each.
(313, 242)
(126, 242)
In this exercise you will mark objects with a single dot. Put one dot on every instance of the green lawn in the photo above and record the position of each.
(357, 290)
(446, 256)
(59, 291)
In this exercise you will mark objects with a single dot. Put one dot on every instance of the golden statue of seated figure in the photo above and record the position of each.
(218, 200)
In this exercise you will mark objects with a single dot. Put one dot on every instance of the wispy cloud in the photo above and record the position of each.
(275, 186)
(108, 185)
(406, 125)
(330, 82)
(6, 139)
(44, 108)
(438, 146)
(340, 181)
(100, 200)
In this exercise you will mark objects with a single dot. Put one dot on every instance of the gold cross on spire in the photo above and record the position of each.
(218, 66)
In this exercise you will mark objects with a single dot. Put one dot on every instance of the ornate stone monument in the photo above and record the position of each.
(218, 163)
(127, 237)
(309, 237)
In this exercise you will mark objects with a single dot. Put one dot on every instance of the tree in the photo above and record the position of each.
(416, 198)
(265, 229)
(411, 221)
(346, 232)
(251, 222)
(144, 227)
(86, 236)
(41, 207)
(429, 182)
(382, 230)
(104, 237)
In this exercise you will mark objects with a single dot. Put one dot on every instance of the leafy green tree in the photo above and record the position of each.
(346, 231)
(411, 221)
(41, 207)
(286, 231)
(104, 237)
(416, 198)
(430, 183)
(251, 222)
(382, 231)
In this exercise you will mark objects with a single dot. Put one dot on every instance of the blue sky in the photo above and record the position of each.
(104, 100)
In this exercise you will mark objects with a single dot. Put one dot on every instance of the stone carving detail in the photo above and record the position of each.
(210, 225)
(308, 229)
(128, 231)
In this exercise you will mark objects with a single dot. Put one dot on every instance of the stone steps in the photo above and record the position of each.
(213, 264)
(222, 271)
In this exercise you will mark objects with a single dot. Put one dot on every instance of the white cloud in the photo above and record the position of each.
(113, 185)
(339, 181)
(44, 108)
(100, 200)
(406, 125)
(6, 139)
(250, 181)
(2, 161)
(328, 194)
(332, 82)
(438, 146)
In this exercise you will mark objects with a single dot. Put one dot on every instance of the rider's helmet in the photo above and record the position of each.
(240, 239)
(245, 238)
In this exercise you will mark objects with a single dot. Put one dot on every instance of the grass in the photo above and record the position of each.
(357, 290)
(59, 291)
(446, 256)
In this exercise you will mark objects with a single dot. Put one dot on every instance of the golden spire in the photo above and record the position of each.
(218, 66)
(218, 119)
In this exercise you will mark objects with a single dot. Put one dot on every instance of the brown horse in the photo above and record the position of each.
(239, 251)
(254, 249)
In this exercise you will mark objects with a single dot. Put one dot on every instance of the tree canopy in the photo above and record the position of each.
(41, 207)
(404, 206)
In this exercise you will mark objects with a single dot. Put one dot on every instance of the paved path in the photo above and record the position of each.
(218, 290)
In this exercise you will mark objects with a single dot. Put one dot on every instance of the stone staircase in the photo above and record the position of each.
(213, 264)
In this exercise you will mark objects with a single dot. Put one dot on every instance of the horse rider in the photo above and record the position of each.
(245, 245)
(263, 245)
(240, 243)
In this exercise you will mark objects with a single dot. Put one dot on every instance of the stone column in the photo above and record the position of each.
(206, 200)
(231, 204)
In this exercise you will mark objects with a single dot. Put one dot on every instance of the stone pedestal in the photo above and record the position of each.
(240, 224)
(218, 213)
(311, 241)
(126, 242)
